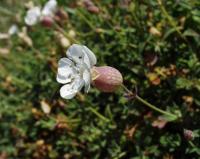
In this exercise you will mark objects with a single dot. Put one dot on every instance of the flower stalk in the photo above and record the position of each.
(143, 101)
(154, 107)
(98, 114)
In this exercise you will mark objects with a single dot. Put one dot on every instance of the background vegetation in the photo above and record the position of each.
(156, 46)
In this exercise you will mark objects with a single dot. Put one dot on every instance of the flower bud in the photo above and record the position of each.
(88, 3)
(93, 9)
(188, 134)
(47, 21)
(107, 79)
(61, 17)
(62, 14)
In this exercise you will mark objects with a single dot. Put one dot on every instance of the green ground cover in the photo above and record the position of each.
(156, 46)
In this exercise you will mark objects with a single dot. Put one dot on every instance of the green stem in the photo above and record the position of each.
(126, 89)
(80, 14)
(99, 115)
(149, 104)
(170, 19)
(192, 144)
(154, 107)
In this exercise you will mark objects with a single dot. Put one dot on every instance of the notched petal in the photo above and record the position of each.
(65, 62)
(87, 80)
(75, 53)
(90, 55)
(67, 92)
(62, 79)
(78, 83)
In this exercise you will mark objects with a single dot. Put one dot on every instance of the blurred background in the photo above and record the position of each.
(155, 44)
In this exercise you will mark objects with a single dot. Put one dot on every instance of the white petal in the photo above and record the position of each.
(87, 80)
(66, 72)
(67, 92)
(81, 68)
(87, 88)
(32, 16)
(78, 83)
(66, 69)
(90, 55)
(49, 8)
(65, 62)
(13, 29)
(81, 54)
(47, 12)
(63, 79)
(87, 60)
(75, 53)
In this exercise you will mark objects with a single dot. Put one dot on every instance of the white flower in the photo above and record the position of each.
(74, 71)
(13, 29)
(49, 8)
(33, 16)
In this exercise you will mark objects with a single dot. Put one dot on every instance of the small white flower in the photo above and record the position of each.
(74, 71)
(13, 29)
(33, 16)
(49, 8)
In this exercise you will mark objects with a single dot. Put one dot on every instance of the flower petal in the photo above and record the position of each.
(65, 62)
(67, 92)
(49, 8)
(63, 79)
(78, 83)
(87, 80)
(90, 55)
(75, 53)
(81, 54)
(87, 61)
(66, 68)
(13, 29)
(32, 16)
(66, 71)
